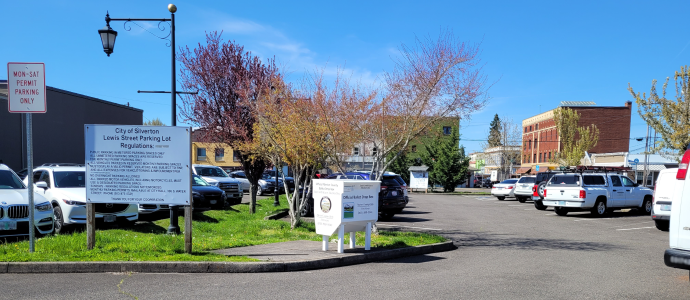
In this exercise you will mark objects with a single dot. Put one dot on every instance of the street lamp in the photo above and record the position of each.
(108, 36)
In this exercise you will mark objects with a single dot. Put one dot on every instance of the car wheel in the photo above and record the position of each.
(661, 225)
(238, 201)
(386, 215)
(561, 211)
(540, 189)
(521, 199)
(259, 192)
(539, 205)
(646, 206)
(58, 221)
(304, 212)
(501, 197)
(600, 208)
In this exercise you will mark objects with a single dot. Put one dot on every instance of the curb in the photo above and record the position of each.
(219, 267)
(277, 216)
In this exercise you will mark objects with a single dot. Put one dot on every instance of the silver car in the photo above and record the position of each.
(524, 188)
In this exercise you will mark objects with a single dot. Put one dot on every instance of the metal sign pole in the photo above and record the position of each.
(30, 177)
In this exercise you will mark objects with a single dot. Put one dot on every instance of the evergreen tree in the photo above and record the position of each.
(447, 162)
(400, 166)
(494, 138)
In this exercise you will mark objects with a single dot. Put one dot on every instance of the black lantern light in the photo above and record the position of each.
(108, 36)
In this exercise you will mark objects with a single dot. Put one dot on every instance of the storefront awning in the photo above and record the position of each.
(523, 170)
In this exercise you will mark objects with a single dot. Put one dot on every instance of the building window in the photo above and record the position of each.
(530, 128)
(536, 126)
(529, 144)
(535, 157)
(374, 151)
(525, 129)
(355, 151)
(414, 148)
(220, 154)
(549, 155)
(540, 157)
(236, 156)
(201, 154)
(446, 130)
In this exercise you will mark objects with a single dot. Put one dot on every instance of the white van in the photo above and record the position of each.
(678, 255)
(661, 203)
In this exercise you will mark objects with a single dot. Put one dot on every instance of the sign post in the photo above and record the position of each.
(132, 164)
(26, 93)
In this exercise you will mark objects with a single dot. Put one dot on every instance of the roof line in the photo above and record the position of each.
(54, 89)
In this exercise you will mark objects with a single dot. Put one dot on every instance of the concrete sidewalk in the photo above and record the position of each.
(278, 257)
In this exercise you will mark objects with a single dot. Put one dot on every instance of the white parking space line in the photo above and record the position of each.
(529, 208)
(594, 219)
(635, 228)
(517, 205)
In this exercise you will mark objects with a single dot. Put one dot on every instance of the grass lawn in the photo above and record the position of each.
(232, 227)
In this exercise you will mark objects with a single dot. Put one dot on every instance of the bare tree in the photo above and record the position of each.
(432, 79)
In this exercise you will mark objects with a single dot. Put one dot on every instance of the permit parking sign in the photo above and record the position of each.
(26, 87)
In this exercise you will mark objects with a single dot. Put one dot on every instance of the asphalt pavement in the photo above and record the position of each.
(506, 250)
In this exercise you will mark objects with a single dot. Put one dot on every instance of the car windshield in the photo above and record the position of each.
(71, 179)
(10, 181)
(211, 172)
(198, 181)
(266, 176)
(509, 181)
(565, 180)
(527, 180)
(240, 175)
(389, 181)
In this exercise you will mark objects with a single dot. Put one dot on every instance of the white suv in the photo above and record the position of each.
(65, 188)
(14, 207)
(661, 204)
(524, 188)
(215, 176)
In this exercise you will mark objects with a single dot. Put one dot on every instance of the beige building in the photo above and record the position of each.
(215, 154)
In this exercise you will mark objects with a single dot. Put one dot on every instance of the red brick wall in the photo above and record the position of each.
(613, 124)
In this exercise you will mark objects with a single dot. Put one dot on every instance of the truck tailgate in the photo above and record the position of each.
(556, 193)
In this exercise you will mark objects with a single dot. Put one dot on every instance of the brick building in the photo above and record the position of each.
(541, 140)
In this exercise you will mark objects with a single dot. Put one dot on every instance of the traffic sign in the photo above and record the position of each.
(637, 161)
(537, 168)
(26, 87)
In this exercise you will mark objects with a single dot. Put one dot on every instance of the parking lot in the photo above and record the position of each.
(506, 250)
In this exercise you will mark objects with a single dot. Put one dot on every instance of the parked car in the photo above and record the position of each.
(538, 191)
(242, 178)
(599, 193)
(486, 183)
(65, 189)
(403, 184)
(14, 207)
(678, 254)
(505, 188)
(288, 180)
(524, 188)
(661, 202)
(267, 185)
(207, 196)
(215, 176)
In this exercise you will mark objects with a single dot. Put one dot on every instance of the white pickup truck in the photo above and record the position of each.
(599, 193)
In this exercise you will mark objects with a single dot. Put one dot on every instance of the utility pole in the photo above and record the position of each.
(646, 150)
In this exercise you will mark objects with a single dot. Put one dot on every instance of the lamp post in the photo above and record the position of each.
(108, 36)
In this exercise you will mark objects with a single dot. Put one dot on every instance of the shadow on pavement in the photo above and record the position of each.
(498, 241)
(408, 212)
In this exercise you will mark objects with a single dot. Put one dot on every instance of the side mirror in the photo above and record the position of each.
(635, 185)
(42, 184)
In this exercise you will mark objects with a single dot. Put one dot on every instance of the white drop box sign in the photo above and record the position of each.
(350, 203)
(419, 179)
(138, 164)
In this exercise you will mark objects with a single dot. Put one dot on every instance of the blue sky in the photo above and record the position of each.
(537, 53)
